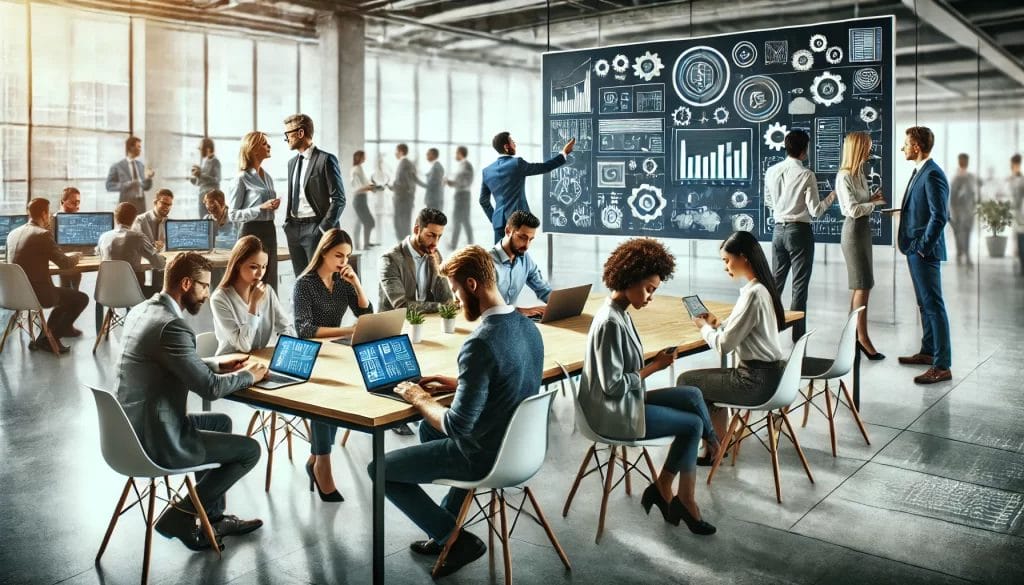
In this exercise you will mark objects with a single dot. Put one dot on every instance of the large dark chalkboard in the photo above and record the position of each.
(673, 137)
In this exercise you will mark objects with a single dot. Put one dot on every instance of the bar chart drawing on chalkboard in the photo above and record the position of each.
(571, 94)
(721, 156)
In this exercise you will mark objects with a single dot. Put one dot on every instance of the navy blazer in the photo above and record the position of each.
(325, 191)
(505, 178)
(924, 213)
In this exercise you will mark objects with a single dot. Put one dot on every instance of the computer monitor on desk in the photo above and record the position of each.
(9, 223)
(189, 235)
(82, 229)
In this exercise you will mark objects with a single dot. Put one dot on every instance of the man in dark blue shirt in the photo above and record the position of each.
(500, 364)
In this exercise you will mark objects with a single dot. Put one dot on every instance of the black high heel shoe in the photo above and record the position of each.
(871, 356)
(696, 526)
(652, 497)
(334, 496)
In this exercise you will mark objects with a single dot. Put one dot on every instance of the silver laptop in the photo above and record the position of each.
(292, 363)
(374, 326)
(566, 302)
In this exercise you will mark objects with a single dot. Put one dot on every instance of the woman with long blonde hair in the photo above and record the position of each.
(252, 193)
(857, 203)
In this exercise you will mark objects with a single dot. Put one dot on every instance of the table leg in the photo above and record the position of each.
(378, 507)
(856, 379)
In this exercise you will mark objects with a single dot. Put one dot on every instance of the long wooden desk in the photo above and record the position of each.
(219, 259)
(335, 393)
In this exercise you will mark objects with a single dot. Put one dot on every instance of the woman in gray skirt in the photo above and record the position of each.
(751, 331)
(857, 204)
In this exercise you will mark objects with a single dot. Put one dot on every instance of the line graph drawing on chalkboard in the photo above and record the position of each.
(579, 128)
(571, 94)
(865, 45)
(632, 135)
(828, 144)
(720, 155)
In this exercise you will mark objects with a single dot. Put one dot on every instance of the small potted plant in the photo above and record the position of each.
(448, 313)
(996, 217)
(415, 318)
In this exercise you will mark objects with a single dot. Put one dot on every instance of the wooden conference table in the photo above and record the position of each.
(335, 393)
(219, 259)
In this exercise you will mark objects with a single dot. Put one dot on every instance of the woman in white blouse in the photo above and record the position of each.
(253, 190)
(361, 186)
(857, 203)
(751, 330)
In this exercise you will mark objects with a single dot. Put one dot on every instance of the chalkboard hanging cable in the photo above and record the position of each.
(547, 24)
(691, 18)
(917, 49)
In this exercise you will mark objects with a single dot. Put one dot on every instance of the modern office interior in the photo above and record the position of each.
(930, 489)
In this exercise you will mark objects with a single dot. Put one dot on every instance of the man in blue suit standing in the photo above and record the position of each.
(923, 217)
(505, 179)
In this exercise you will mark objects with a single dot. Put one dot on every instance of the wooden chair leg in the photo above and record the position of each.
(288, 439)
(725, 445)
(204, 521)
(625, 468)
(799, 450)
(32, 323)
(743, 432)
(506, 548)
(831, 415)
(150, 521)
(773, 450)
(547, 528)
(252, 423)
(7, 330)
(459, 520)
(492, 513)
(113, 519)
(579, 476)
(270, 448)
(344, 438)
(809, 395)
(607, 489)
(849, 403)
(48, 334)
(104, 330)
(650, 464)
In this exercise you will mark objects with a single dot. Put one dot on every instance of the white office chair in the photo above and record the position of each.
(16, 295)
(774, 410)
(520, 457)
(830, 369)
(117, 287)
(124, 454)
(617, 456)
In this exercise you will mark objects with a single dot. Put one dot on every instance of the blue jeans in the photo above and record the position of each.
(321, 437)
(436, 457)
(679, 412)
(928, 289)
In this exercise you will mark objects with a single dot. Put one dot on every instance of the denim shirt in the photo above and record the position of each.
(513, 275)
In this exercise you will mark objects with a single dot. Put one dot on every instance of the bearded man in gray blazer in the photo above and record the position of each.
(409, 274)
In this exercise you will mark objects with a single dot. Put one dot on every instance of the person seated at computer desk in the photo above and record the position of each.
(501, 363)
(325, 290)
(514, 266)
(153, 223)
(131, 246)
(409, 272)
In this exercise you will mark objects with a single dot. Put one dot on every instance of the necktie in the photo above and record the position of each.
(296, 193)
(907, 192)
(135, 171)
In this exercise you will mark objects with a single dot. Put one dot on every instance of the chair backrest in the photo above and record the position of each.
(525, 444)
(847, 350)
(789, 384)
(16, 292)
(206, 344)
(581, 418)
(117, 286)
(120, 445)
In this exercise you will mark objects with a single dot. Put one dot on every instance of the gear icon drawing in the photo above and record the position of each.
(650, 166)
(646, 202)
(775, 136)
(834, 55)
(601, 67)
(818, 43)
(681, 116)
(620, 63)
(828, 89)
(721, 115)
(868, 114)
(803, 60)
(648, 66)
(611, 217)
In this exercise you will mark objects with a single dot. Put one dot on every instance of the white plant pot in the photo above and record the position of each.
(449, 325)
(416, 332)
(996, 246)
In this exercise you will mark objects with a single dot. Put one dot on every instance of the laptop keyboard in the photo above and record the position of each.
(275, 377)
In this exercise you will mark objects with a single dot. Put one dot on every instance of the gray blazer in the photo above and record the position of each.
(157, 369)
(611, 389)
(119, 178)
(434, 184)
(324, 189)
(151, 226)
(404, 183)
(209, 176)
(398, 282)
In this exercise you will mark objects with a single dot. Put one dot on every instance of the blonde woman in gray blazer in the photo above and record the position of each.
(614, 396)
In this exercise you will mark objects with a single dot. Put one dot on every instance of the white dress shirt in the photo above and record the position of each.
(422, 275)
(304, 208)
(751, 330)
(238, 330)
(791, 190)
(854, 194)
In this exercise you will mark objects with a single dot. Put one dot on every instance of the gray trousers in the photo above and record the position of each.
(303, 238)
(403, 216)
(793, 246)
(460, 218)
(236, 454)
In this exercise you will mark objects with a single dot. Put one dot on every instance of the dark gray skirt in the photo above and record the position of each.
(856, 243)
(749, 384)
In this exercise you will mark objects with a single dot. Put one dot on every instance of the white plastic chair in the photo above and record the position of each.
(774, 410)
(16, 295)
(605, 469)
(830, 369)
(520, 457)
(117, 287)
(124, 454)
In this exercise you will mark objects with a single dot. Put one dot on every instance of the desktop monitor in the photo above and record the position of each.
(189, 234)
(9, 223)
(83, 228)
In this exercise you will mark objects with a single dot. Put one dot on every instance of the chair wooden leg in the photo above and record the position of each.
(104, 330)
(853, 409)
(547, 528)
(650, 464)
(344, 438)
(773, 450)
(288, 439)
(32, 323)
(743, 431)
(607, 489)
(113, 519)
(252, 423)
(459, 520)
(270, 448)
(579, 476)
(831, 415)
(725, 445)
(204, 521)
(492, 513)
(625, 468)
(48, 334)
(506, 548)
(809, 395)
(150, 521)
(7, 330)
(799, 450)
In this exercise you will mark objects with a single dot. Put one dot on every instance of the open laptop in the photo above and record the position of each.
(385, 363)
(564, 303)
(374, 326)
(185, 235)
(292, 363)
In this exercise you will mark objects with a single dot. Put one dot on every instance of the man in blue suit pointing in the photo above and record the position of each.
(923, 217)
(505, 179)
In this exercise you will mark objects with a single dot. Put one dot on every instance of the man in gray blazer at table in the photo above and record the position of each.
(130, 177)
(409, 272)
(156, 370)
(316, 194)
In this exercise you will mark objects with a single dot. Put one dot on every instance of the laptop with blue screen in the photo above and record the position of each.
(385, 363)
(292, 363)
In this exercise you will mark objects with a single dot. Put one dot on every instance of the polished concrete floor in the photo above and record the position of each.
(935, 498)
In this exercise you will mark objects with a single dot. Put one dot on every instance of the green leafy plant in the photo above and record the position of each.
(995, 215)
(448, 311)
(414, 316)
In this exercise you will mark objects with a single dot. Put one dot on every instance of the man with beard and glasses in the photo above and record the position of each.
(409, 272)
(500, 365)
(156, 370)
(514, 266)
(153, 224)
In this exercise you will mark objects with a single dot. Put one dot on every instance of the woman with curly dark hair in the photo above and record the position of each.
(751, 330)
(614, 396)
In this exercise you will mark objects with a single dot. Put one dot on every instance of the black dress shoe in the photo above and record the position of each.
(871, 356)
(465, 550)
(430, 548)
(699, 527)
(403, 430)
(229, 525)
(174, 523)
(44, 345)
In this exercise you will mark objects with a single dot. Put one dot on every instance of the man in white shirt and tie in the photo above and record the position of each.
(791, 191)
(130, 177)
